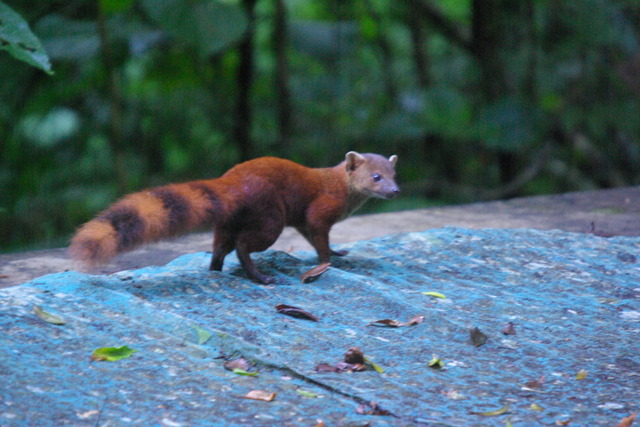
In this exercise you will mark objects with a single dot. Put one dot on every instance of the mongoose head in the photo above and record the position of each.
(372, 175)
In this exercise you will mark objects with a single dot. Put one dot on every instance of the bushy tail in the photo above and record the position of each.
(145, 217)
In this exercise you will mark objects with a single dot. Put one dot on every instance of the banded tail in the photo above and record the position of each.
(145, 217)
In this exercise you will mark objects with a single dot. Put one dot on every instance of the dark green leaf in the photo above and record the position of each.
(17, 39)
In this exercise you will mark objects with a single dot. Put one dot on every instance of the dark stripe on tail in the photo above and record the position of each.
(215, 207)
(128, 225)
(178, 209)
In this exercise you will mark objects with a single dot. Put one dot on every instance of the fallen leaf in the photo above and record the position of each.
(500, 411)
(386, 322)
(260, 395)
(306, 393)
(536, 407)
(415, 320)
(535, 384)
(354, 355)
(315, 272)
(477, 337)
(240, 366)
(375, 367)
(296, 312)
(239, 371)
(203, 335)
(354, 361)
(47, 317)
(357, 367)
(319, 423)
(627, 421)
(391, 323)
(581, 375)
(436, 363)
(371, 408)
(563, 423)
(325, 367)
(434, 294)
(111, 354)
(509, 329)
(88, 414)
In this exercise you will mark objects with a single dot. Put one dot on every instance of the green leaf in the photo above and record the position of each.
(207, 25)
(306, 393)
(17, 39)
(375, 366)
(500, 411)
(203, 335)
(581, 375)
(49, 318)
(239, 371)
(434, 294)
(111, 354)
(436, 363)
(535, 407)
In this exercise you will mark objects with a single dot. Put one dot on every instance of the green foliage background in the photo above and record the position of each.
(481, 99)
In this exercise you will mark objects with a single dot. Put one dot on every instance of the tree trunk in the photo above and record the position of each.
(283, 94)
(488, 40)
(418, 44)
(243, 121)
(116, 132)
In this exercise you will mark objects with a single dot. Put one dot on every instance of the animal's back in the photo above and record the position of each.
(273, 181)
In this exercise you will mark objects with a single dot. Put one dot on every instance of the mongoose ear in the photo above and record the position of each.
(393, 159)
(354, 160)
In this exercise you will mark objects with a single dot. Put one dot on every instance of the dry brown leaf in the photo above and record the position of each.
(392, 323)
(315, 272)
(371, 408)
(627, 421)
(296, 312)
(415, 320)
(239, 363)
(265, 396)
(325, 367)
(535, 384)
(509, 329)
(386, 322)
(477, 337)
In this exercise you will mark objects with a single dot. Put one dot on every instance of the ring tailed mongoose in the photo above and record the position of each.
(248, 208)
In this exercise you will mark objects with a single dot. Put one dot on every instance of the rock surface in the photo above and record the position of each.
(574, 301)
(611, 212)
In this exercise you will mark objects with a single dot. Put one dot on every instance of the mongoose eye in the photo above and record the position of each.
(376, 177)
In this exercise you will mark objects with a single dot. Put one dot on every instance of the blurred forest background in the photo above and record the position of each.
(480, 99)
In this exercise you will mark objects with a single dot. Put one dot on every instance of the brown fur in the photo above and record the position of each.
(248, 207)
